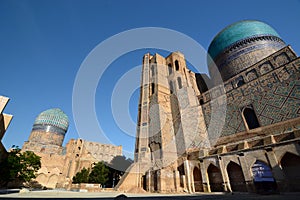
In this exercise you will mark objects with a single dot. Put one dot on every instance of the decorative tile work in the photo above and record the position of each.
(238, 32)
(237, 60)
(54, 117)
(275, 97)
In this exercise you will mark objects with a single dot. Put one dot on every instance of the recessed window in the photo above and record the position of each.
(171, 87)
(250, 118)
(170, 68)
(176, 65)
(179, 83)
(240, 81)
(152, 88)
(201, 102)
(152, 70)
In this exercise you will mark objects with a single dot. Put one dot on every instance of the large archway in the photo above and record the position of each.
(52, 181)
(197, 180)
(215, 178)
(236, 177)
(42, 179)
(263, 178)
(290, 164)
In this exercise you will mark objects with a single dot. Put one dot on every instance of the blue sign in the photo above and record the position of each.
(262, 172)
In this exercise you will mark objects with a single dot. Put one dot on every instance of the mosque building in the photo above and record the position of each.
(59, 164)
(237, 130)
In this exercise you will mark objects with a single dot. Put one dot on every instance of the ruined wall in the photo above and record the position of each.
(60, 164)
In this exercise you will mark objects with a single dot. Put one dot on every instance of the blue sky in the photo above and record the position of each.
(43, 44)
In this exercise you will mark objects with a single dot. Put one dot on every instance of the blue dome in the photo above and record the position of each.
(53, 117)
(239, 31)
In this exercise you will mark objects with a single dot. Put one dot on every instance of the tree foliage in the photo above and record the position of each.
(107, 174)
(99, 173)
(82, 176)
(19, 166)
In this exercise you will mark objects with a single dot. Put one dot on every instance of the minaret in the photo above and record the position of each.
(170, 124)
(142, 153)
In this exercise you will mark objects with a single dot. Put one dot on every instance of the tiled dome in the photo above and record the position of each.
(237, 32)
(53, 117)
(241, 45)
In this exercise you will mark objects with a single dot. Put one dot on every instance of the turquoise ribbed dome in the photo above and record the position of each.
(53, 117)
(237, 32)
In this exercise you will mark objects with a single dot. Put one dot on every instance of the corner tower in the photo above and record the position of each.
(48, 132)
(170, 126)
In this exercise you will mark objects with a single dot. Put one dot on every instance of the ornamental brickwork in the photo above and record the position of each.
(59, 164)
(241, 134)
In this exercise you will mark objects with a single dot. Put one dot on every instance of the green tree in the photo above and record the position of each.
(99, 173)
(19, 166)
(82, 176)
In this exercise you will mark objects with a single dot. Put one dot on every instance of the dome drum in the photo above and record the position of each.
(42, 137)
(242, 55)
(240, 45)
(48, 128)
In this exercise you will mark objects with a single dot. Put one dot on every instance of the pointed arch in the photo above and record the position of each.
(53, 179)
(215, 178)
(197, 180)
(250, 117)
(42, 179)
(290, 164)
(263, 177)
(236, 177)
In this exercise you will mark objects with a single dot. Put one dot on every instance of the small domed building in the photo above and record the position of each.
(237, 131)
(58, 163)
(48, 132)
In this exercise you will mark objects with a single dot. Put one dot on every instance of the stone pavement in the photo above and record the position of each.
(66, 195)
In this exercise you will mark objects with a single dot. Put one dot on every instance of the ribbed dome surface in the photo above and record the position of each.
(53, 117)
(237, 32)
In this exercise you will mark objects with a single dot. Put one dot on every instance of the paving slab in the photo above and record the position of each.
(65, 195)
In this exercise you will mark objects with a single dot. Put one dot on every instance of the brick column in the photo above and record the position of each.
(277, 171)
(247, 173)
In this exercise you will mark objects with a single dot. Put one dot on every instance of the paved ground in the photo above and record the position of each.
(67, 195)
